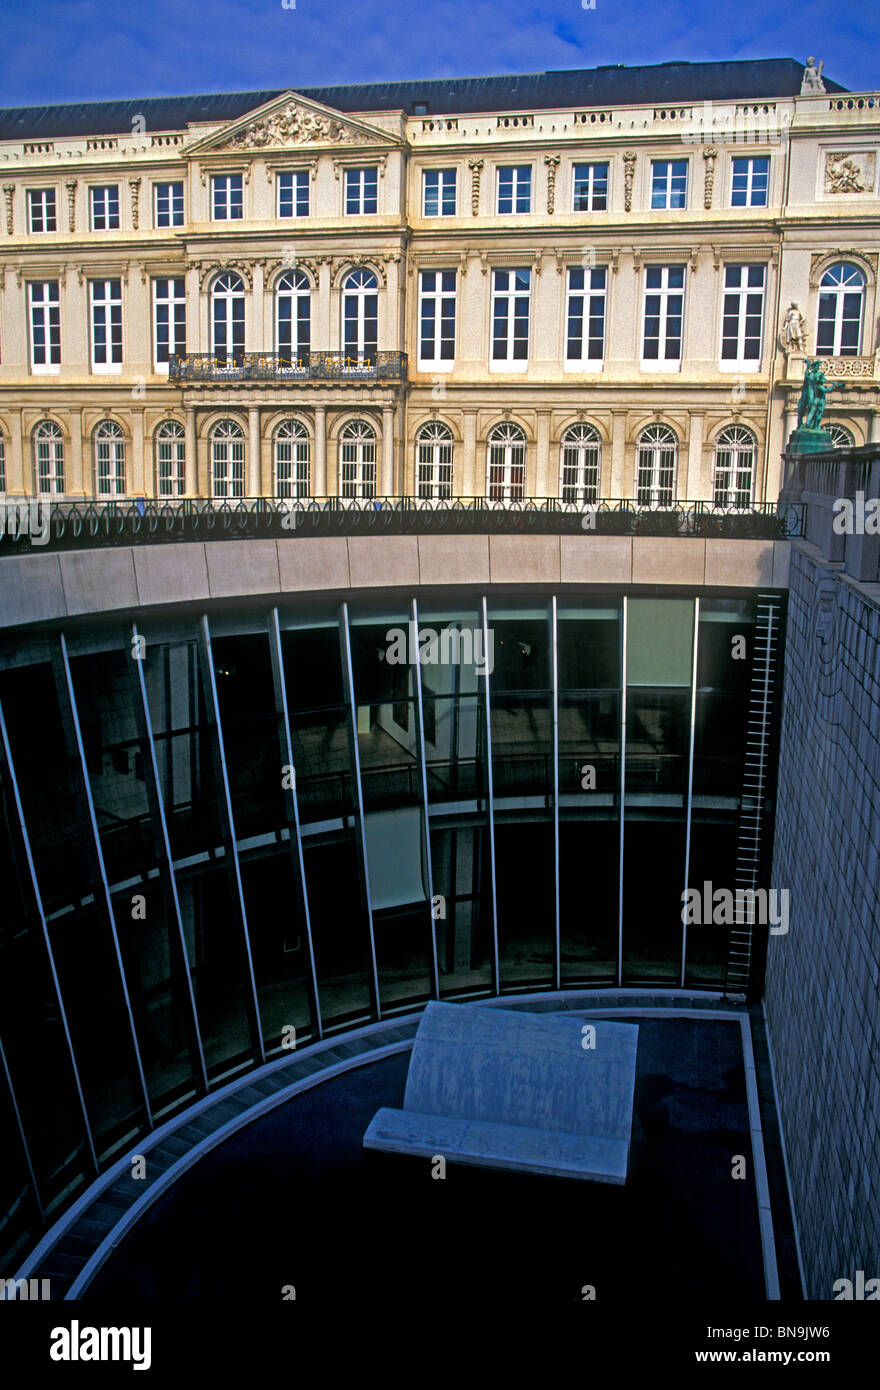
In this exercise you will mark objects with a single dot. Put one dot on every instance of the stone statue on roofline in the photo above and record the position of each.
(812, 79)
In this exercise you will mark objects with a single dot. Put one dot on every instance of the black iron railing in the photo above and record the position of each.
(59, 525)
(278, 366)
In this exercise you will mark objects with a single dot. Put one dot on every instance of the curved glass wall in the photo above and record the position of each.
(232, 833)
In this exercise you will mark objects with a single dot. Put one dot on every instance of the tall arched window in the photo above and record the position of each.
(293, 319)
(357, 459)
(170, 459)
(227, 459)
(657, 459)
(360, 317)
(434, 460)
(227, 320)
(48, 458)
(841, 307)
(841, 437)
(507, 463)
(581, 460)
(291, 459)
(734, 476)
(109, 459)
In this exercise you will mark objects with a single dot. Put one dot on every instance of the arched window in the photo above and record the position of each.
(227, 459)
(293, 319)
(581, 458)
(734, 476)
(507, 463)
(657, 459)
(841, 437)
(841, 306)
(227, 320)
(109, 459)
(357, 459)
(434, 460)
(291, 459)
(49, 458)
(360, 317)
(170, 459)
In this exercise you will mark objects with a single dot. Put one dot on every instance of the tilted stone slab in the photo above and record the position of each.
(516, 1090)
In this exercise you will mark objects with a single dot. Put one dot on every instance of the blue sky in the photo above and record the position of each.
(66, 50)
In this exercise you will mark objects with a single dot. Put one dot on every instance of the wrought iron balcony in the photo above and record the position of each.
(99, 522)
(279, 366)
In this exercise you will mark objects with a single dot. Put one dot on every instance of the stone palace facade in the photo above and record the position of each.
(585, 285)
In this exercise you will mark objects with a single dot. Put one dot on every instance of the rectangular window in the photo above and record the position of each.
(168, 204)
(664, 311)
(41, 210)
(293, 193)
(169, 320)
(439, 193)
(590, 188)
(437, 317)
(45, 325)
(510, 317)
(106, 299)
(669, 183)
(105, 208)
(751, 178)
(515, 188)
(361, 191)
(743, 314)
(227, 198)
(585, 315)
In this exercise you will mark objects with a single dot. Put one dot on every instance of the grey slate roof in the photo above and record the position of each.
(672, 83)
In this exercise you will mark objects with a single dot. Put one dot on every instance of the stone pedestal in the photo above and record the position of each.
(806, 441)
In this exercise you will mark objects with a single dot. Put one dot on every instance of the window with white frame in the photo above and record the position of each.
(514, 188)
(169, 320)
(510, 317)
(109, 442)
(669, 183)
(106, 301)
(438, 192)
(437, 317)
(841, 308)
(590, 188)
(45, 324)
(750, 181)
(585, 315)
(227, 197)
(357, 460)
(104, 202)
(360, 317)
(168, 204)
(293, 193)
(841, 437)
(293, 299)
(664, 313)
(48, 442)
(657, 459)
(742, 319)
(361, 190)
(42, 212)
(170, 440)
(227, 320)
(581, 458)
(506, 480)
(227, 459)
(291, 459)
(734, 471)
(434, 457)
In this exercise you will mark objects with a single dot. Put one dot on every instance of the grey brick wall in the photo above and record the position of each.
(822, 994)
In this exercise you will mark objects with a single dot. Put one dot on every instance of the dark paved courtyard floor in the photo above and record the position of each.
(292, 1200)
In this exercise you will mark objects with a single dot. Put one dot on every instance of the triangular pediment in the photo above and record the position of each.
(291, 121)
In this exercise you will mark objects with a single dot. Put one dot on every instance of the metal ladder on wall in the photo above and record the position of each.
(762, 691)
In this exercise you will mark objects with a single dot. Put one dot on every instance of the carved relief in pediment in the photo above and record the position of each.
(293, 124)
